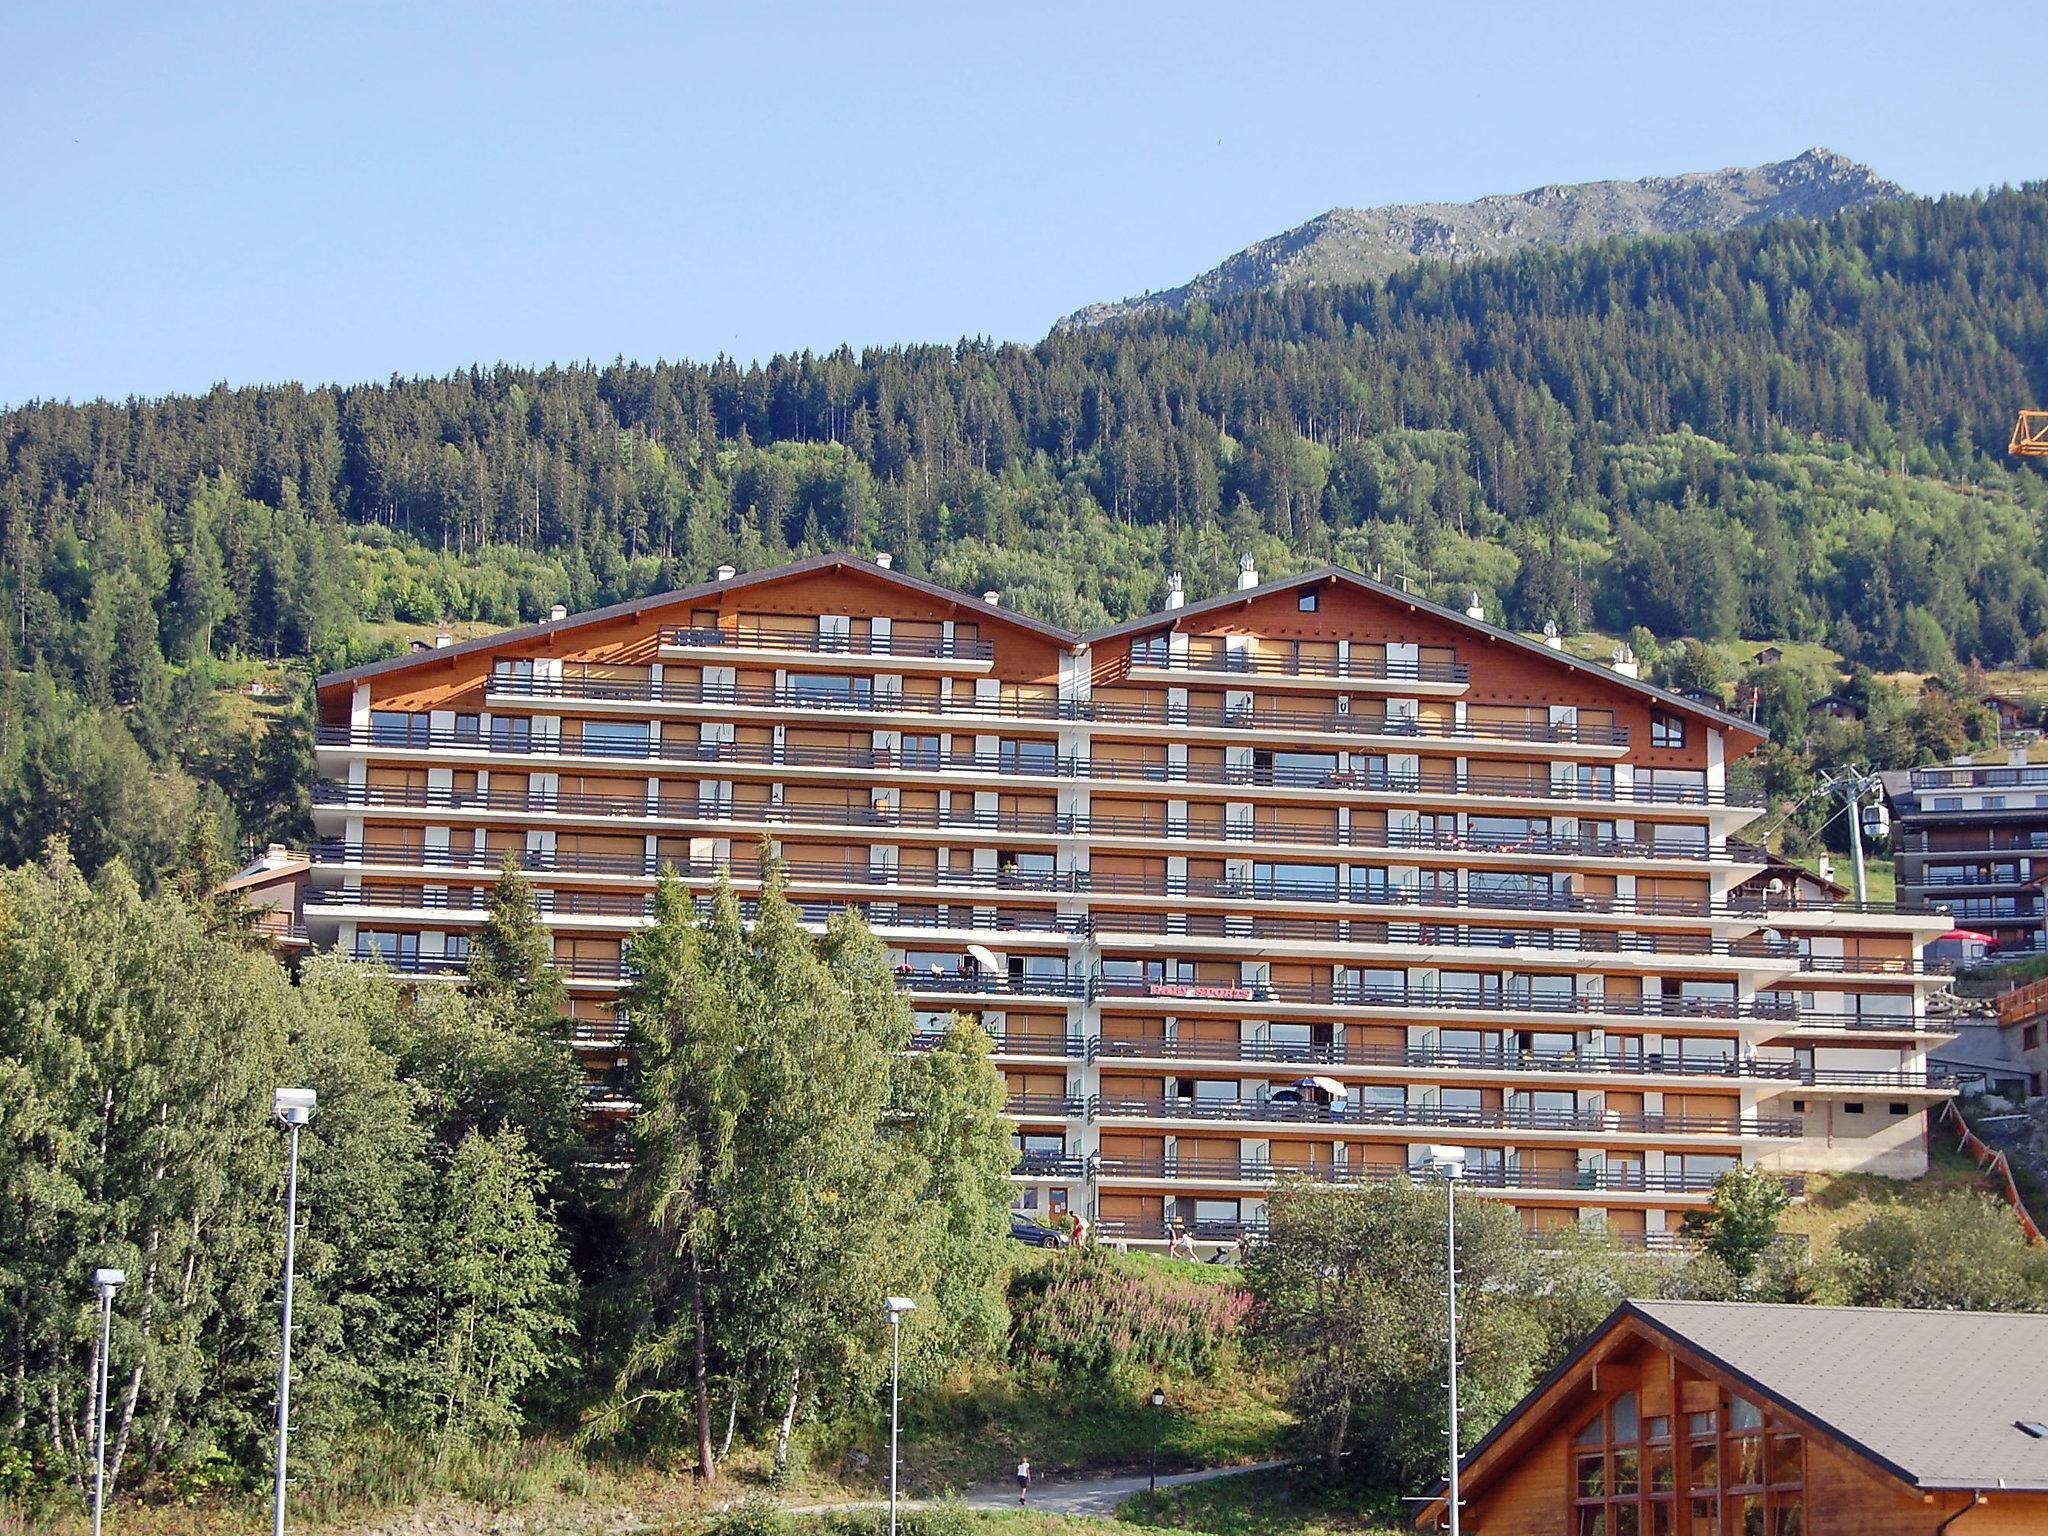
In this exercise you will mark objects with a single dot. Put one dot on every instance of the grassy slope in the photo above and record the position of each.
(1835, 1202)
(1290, 1500)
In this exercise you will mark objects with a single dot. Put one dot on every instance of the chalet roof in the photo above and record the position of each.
(1774, 863)
(705, 589)
(1170, 617)
(1935, 1397)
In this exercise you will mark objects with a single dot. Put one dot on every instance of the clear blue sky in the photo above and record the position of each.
(334, 191)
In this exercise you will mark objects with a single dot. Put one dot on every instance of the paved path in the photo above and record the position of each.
(1075, 1496)
(1099, 1495)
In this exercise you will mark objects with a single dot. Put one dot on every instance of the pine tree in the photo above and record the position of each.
(512, 957)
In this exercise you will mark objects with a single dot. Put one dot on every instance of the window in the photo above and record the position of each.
(1948, 802)
(1853, 1107)
(1994, 802)
(829, 690)
(1656, 1476)
(1895, 1108)
(1667, 731)
(468, 727)
(1306, 602)
(393, 728)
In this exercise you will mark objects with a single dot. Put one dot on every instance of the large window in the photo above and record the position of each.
(1667, 731)
(1726, 1471)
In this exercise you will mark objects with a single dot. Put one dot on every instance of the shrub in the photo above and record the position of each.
(1091, 1318)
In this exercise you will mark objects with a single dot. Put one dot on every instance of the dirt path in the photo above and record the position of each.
(1075, 1496)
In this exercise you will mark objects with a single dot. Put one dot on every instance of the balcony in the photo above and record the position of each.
(1358, 996)
(1046, 1106)
(743, 641)
(1434, 677)
(1021, 924)
(1611, 1180)
(1438, 1117)
(1017, 1042)
(1050, 1165)
(944, 765)
(1264, 719)
(1774, 954)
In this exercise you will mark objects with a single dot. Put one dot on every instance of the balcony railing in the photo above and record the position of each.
(1340, 1112)
(1015, 1042)
(1245, 717)
(1366, 781)
(1610, 1179)
(1435, 935)
(761, 637)
(1041, 1106)
(1361, 996)
(1050, 1165)
(1374, 669)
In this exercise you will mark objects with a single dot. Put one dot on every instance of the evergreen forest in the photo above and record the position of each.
(1793, 431)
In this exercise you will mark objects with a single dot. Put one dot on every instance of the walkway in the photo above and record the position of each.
(1075, 1496)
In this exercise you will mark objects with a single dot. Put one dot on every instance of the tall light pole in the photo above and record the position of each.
(1158, 1405)
(898, 1305)
(293, 1106)
(1448, 1163)
(104, 1282)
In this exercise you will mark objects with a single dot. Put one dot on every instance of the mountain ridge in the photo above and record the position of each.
(1354, 244)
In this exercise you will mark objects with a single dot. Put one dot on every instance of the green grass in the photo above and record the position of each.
(1837, 1201)
(974, 1428)
(1287, 1501)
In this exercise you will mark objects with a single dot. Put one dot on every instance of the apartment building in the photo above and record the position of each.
(1298, 880)
(1973, 838)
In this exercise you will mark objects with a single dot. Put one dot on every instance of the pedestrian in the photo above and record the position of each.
(1023, 1479)
(1080, 1238)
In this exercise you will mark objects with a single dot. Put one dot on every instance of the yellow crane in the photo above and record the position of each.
(2030, 435)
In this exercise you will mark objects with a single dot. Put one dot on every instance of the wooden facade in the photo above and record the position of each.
(1185, 869)
(1645, 1433)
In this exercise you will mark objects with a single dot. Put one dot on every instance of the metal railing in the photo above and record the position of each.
(1358, 995)
(1254, 716)
(1105, 1106)
(761, 637)
(1610, 1179)
(1372, 669)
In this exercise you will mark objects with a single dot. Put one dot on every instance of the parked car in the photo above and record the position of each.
(1026, 1230)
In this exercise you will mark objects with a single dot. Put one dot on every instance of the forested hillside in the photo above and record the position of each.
(1793, 431)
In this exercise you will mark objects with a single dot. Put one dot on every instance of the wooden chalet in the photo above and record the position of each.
(1694, 1418)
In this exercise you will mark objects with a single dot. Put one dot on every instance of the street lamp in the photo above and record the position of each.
(898, 1305)
(1158, 1403)
(293, 1106)
(104, 1282)
(1448, 1163)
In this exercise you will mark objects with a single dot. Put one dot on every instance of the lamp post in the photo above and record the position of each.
(104, 1282)
(293, 1106)
(1448, 1163)
(1158, 1404)
(898, 1305)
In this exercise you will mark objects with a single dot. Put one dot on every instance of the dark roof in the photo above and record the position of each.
(685, 594)
(1932, 1396)
(1935, 1398)
(1364, 583)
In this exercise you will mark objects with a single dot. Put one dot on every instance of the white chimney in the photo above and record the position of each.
(1625, 660)
(992, 598)
(726, 572)
(2016, 756)
(885, 560)
(1247, 573)
(443, 640)
(558, 612)
(1551, 636)
(1176, 594)
(1475, 610)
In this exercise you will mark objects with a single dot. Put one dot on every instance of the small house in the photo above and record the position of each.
(1769, 656)
(1738, 1417)
(1837, 706)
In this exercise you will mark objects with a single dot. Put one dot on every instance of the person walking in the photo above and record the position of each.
(1023, 1479)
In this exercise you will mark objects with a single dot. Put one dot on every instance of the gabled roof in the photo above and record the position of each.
(744, 579)
(1933, 1398)
(1337, 573)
